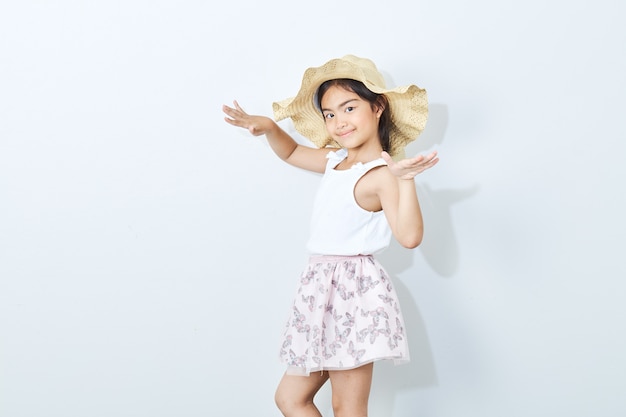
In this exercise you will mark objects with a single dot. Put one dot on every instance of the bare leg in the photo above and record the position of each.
(294, 395)
(351, 391)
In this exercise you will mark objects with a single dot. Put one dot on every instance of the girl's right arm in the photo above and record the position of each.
(283, 145)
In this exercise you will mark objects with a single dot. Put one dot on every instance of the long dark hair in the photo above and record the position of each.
(376, 101)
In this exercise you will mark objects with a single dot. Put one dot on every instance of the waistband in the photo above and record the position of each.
(338, 258)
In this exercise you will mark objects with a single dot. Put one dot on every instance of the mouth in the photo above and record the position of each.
(343, 135)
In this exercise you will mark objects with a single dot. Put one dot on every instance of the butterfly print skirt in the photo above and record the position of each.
(345, 314)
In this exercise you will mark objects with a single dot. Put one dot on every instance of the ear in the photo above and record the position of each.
(380, 107)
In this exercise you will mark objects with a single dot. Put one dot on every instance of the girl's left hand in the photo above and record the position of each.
(408, 168)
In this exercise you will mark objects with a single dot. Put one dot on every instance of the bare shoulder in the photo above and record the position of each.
(381, 178)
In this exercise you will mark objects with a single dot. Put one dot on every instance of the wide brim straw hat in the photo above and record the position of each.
(408, 104)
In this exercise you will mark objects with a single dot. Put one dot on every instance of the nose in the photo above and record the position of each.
(340, 120)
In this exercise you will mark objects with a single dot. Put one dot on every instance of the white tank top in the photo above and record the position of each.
(339, 226)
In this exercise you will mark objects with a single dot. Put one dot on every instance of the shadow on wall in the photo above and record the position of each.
(441, 252)
(440, 247)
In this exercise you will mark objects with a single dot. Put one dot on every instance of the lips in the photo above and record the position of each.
(345, 134)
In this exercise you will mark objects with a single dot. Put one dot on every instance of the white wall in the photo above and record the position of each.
(148, 250)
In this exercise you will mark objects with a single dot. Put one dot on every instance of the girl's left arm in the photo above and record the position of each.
(399, 200)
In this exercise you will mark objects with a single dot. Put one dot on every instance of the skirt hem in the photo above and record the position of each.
(300, 371)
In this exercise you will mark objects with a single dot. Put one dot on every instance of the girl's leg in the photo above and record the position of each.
(351, 391)
(294, 395)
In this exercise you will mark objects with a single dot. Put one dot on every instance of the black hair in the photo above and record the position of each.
(376, 101)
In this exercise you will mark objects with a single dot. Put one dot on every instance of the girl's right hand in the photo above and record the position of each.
(257, 125)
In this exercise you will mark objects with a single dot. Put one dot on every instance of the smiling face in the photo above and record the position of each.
(350, 120)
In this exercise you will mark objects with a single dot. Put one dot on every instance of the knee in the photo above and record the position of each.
(282, 402)
(348, 408)
(289, 405)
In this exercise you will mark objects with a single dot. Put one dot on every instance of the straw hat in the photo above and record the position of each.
(408, 104)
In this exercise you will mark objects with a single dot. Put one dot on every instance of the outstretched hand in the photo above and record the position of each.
(408, 168)
(257, 125)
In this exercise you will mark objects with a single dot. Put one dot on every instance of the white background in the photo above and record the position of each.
(149, 251)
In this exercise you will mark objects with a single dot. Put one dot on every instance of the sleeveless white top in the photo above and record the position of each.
(339, 226)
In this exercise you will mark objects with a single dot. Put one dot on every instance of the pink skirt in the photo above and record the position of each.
(345, 314)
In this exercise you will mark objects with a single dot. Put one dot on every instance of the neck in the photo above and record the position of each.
(363, 154)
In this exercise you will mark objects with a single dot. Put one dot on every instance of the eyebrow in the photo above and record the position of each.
(342, 104)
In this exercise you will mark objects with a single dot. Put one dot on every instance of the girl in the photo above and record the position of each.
(346, 314)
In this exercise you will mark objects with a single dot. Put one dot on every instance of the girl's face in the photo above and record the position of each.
(350, 120)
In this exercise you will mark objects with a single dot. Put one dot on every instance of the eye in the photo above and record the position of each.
(328, 116)
(349, 109)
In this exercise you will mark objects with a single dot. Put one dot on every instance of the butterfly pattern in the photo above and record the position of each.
(346, 313)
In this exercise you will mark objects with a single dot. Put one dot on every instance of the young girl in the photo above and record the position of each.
(346, 314)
